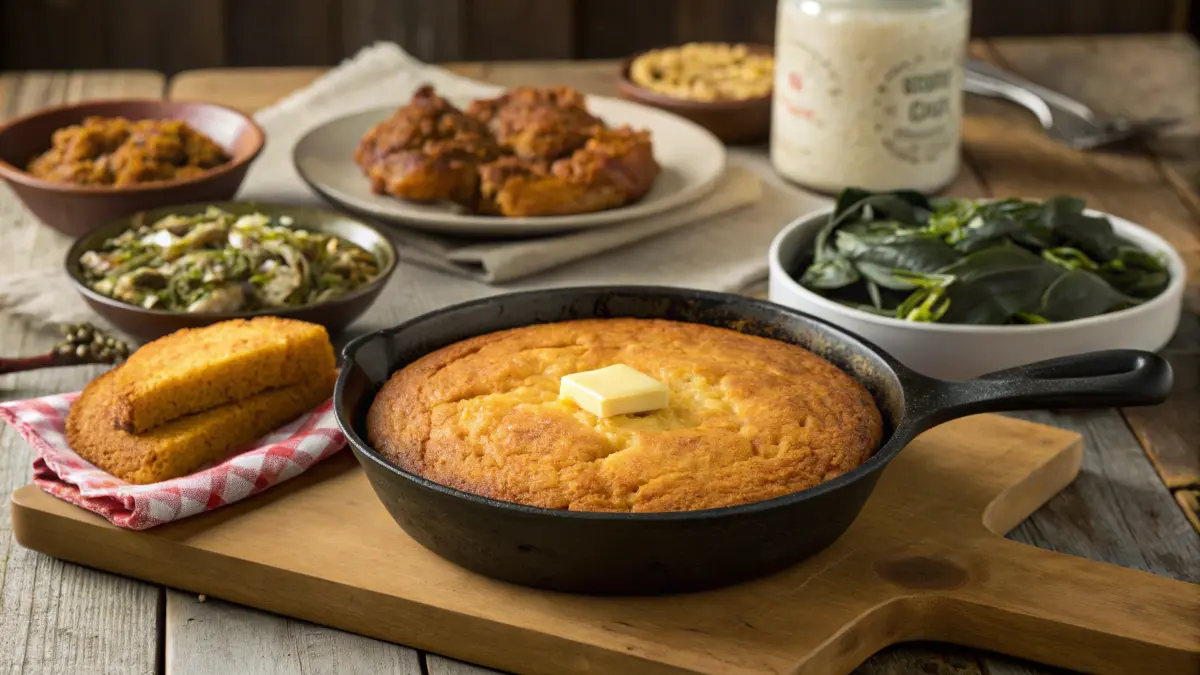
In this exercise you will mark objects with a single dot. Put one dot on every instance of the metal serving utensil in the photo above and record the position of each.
(1066, 120)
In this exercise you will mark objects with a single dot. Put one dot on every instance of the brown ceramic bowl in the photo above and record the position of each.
(734, 122)
(149, 324)
(77, 209)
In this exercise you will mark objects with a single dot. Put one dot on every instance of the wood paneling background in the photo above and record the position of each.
(173, 35)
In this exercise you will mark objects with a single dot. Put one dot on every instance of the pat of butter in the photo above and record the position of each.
(615, 390)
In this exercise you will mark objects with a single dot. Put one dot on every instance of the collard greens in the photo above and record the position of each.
(903, 255)
(220, 262)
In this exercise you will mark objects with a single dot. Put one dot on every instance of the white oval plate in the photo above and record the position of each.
(691, 158)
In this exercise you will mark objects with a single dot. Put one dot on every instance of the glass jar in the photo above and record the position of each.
(868, 93)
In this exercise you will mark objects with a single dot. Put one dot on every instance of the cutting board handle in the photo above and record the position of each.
(1076, 613)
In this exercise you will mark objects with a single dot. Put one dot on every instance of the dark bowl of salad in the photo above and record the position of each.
(158, 271)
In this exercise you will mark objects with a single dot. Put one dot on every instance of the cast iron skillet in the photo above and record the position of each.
(671, 552)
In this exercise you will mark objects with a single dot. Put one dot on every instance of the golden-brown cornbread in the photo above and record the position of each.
(196, 369)
(184, 445)
(749, 418)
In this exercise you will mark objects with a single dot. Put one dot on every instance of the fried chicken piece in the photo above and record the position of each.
(534, 123)
(426, 151)
(529, 152)
(511, 186)
(615, 167)
(621, 157)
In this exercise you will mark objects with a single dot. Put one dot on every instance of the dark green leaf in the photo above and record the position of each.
(1135, 283)
(991, 286)
(1092, 234)
(1135, 258)
(850, 197)
(833, 272)
(906, 206)
(878, 275)
(1059, 208)
(906, 250)
(979, 233)
(853, 239)
(1078, 294)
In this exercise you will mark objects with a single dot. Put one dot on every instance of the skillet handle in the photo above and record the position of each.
(1115, 378)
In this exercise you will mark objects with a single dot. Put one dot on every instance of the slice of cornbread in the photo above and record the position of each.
(184, 445)
(192, 370)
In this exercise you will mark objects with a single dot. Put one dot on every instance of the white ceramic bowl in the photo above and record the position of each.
(959, 352)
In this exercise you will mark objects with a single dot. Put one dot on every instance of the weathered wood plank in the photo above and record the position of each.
(202, 633)
(172, 35)
(501, 29)
(47, 34)
(1136, 77)
(617, 28)
(431, 30)
(722, 21)
(57, 617)
(1115, 511)
(1034, 17)
(166, 35)
(440, 665)
(1170, 432)
(246, 89)
(1189, 501)
(935, 659)
(282, 32)
(592, 77)
(1143, 76)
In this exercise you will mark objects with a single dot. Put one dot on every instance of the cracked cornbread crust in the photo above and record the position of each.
(749, 418)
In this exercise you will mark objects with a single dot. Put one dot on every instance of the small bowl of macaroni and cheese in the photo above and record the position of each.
(723, 87)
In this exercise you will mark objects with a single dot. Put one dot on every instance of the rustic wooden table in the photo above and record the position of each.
(1131, 504)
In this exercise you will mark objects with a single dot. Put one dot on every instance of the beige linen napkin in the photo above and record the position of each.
(501, 261)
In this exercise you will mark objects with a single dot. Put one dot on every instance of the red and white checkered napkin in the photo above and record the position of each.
(274, 458)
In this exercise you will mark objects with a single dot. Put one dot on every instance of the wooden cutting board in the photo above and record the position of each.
(924, 561)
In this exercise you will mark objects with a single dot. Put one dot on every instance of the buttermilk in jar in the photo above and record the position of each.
(868, 93)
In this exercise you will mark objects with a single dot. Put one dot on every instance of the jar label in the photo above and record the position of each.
(920, 100)
(806, 84)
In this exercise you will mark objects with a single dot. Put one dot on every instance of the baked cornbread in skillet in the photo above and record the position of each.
(749, 418)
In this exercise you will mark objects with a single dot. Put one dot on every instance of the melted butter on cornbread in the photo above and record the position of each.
(747, 419)
(614, 390)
